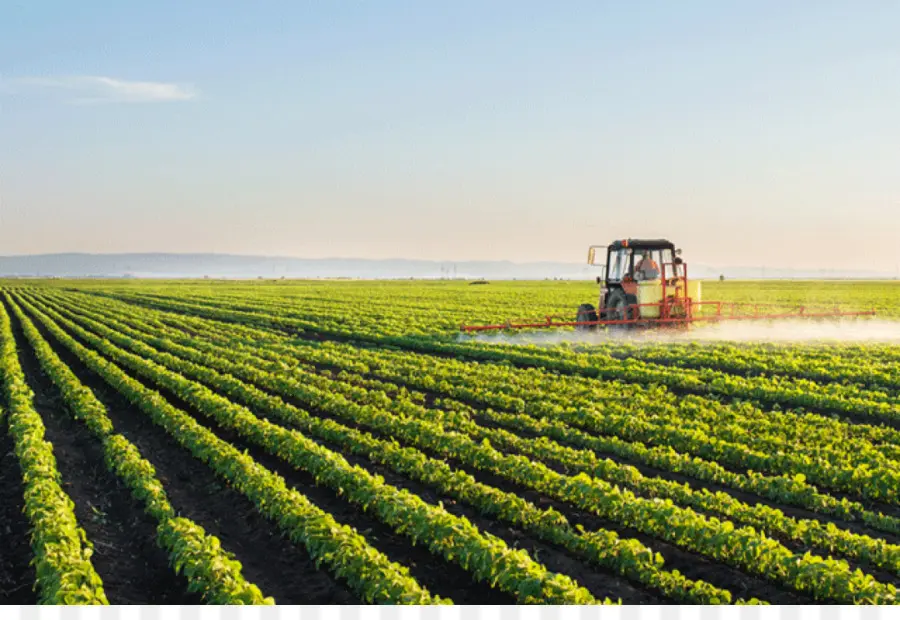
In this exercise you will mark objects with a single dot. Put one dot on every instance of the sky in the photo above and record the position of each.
(756, 133)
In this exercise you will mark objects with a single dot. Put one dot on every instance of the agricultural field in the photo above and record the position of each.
(342, 442)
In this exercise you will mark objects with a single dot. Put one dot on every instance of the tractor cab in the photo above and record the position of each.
(641, 279)
(636, 261)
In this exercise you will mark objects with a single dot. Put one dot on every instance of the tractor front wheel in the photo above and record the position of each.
(586, 312)
(619, 309)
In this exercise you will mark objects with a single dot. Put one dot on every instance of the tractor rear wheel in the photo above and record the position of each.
(586, 312)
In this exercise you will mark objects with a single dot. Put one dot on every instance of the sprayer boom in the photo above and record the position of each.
(701, 312)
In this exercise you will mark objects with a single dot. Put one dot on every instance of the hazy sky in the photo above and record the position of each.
(751, 133)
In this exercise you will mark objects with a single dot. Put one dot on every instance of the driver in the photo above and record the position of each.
(646, 269)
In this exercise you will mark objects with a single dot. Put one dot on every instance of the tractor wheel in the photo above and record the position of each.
(586, 312)
(618, 307)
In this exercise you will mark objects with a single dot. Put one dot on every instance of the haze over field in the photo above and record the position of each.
(760, 135)
(233, 266)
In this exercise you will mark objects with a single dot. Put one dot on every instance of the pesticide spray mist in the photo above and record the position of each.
(805, 331)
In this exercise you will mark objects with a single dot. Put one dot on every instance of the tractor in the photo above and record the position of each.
(643, 280)
(644, 283)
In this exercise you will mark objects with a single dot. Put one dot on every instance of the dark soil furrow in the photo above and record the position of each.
(556, 559)
(16, 573)
(750, 499)
(650, 471)
(280, 568)
(600, 583)
(695, 483)
(746, 585)
(689, 563)
(433, 572)
(877, 506)
(318, 336)
(134, 569)
(693, 565)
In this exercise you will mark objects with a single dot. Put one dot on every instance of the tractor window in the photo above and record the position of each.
(647, 265)
(619, 264)
(666, 258)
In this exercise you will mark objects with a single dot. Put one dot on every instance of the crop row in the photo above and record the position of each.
(809, 532)
(847, 399)
(445, 376)
(876, 378)
(604, 548)
(339, 548)
(62, 553)
(743, 547)
(208, 568)
(857, 468)
(487, 557)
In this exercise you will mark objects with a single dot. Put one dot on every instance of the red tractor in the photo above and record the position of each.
(645, 284)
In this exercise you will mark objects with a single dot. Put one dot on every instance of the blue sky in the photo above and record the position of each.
(751, 133)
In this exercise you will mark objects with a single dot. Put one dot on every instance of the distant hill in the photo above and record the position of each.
(236, 266)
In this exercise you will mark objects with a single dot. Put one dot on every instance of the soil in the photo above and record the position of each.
(134, 569)
(439, 576)
(16, 573)
(691, 564)
(599, 583)
(878, 506)
(280, 568)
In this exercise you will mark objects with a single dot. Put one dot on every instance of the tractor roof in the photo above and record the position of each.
(642, 244)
